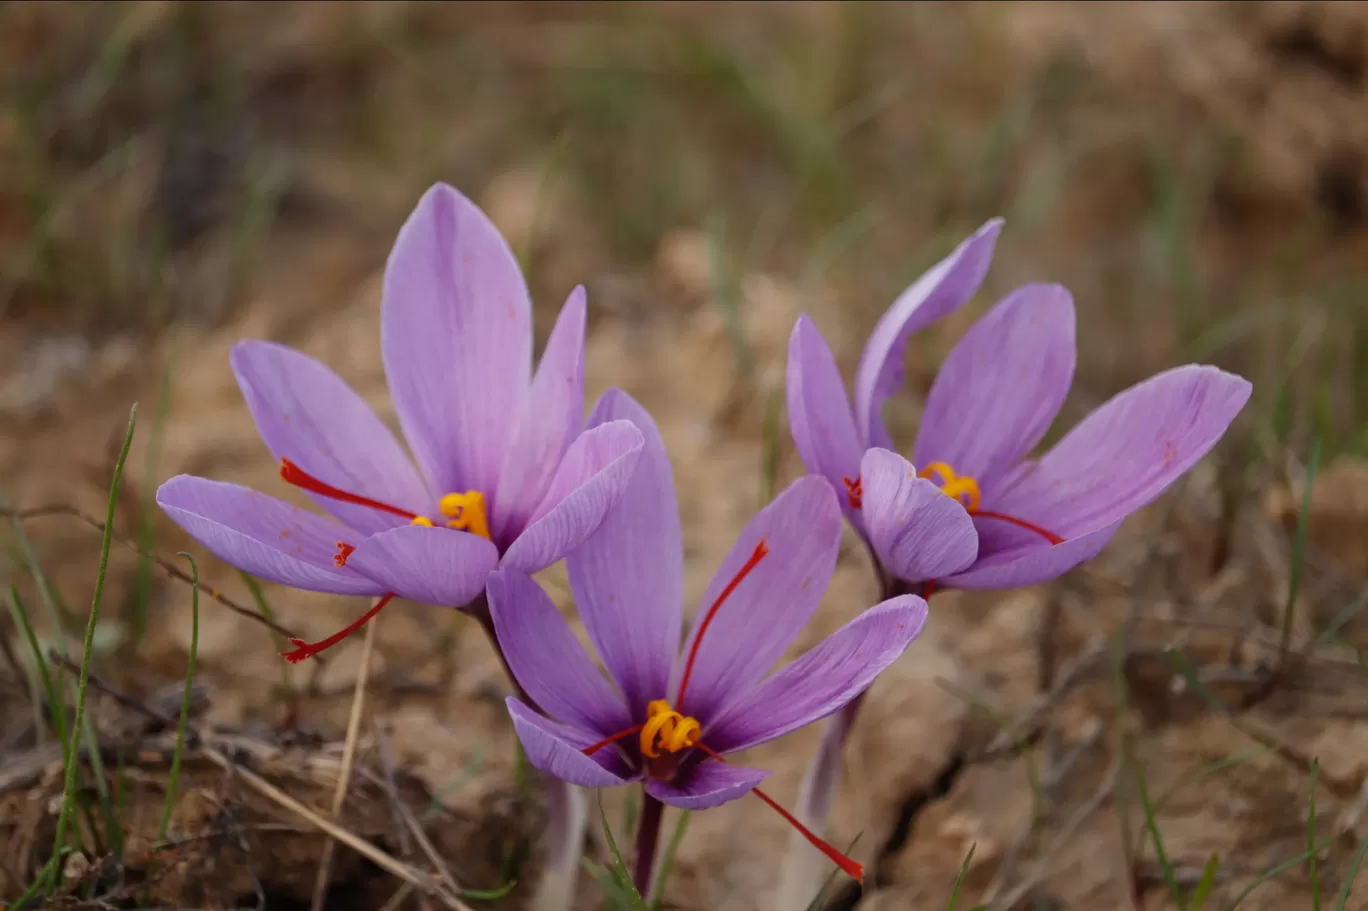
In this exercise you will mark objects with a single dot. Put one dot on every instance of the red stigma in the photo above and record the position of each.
(291, 473)
(309, 649)
(1019, 523)
(344, 550)
(852, 869)
(854, 492)
(756, 556)
(620, 735)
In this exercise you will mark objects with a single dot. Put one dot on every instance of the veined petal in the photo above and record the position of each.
(820, 418)
(557, 750)
(628, 577)
(456, 335)
(588, 484)
(1126, 453)
(917, 531)
(1031, 564)
(1001, 386)
(711, 784)
(309, 415)
(943, 289)
(438, 566)
(264, 536)
(823, 680)
(769, 608)
(547, 659)
(550, 418)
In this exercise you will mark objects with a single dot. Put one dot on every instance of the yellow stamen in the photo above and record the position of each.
(466, 512)
(421, 520)
(954, 485)
(667, 730)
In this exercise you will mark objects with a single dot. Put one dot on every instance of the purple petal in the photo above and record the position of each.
(551, 416)
(1124, 454)
(456, 335)
(546, 658)
(309, 415)
(769, 608)
(439, 566)
(711, 784)
(588, 484)
(1001, 386)
(628, 576)
(1033, 564)
(824, 679)
(820, 418)
(943, 289)
(556, 749)
(264, 536)
(916, 530)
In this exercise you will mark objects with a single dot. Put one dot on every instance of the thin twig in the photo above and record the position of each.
(381, 859)
(171, 569)
(348, 759)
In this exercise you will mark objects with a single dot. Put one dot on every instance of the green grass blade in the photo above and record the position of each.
(619, 867)
(282, 644)
(73, 754)
(1299, 548)
(173, 781)
(959, 879)
(1202, 890)
(1274, 871)
(1349, 877)
(56, 704)
(1160, 855)
(667, 861)
(147, 529)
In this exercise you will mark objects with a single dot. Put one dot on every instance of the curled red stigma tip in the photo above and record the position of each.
(305, 650)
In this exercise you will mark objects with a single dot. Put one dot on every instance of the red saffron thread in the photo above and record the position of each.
(291, 473)
(852, 869)
(344, 550)
(1019, 523)
(756, 556)
(620, 735)
(309, 649)
(855, 492)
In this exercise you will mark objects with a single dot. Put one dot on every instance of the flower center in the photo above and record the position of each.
(464, 511)
(854, 492)
(665, 729)
(965, 489)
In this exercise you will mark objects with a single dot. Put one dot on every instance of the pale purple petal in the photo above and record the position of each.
(546, 658)
(916, 531)
(1032, 565)
(769, 608)
(943, 289)
(1124, 454)
(823, 680)
(309, 415)
(432, 565)
(456, 336)
(820, 418)
(556, 749)
(264, 536)
(711, 784)
(552, 413)
(1001, 385)
(628, 576)
(589, 483)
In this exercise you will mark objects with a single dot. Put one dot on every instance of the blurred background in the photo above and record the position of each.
(178, 176)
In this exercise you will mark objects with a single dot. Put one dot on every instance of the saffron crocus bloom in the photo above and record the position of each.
(976, 512)
(503, 475)
(668, 717)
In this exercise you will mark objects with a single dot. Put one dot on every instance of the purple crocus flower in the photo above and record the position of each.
(666, 718)
(504, 474)
(1008, 521)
